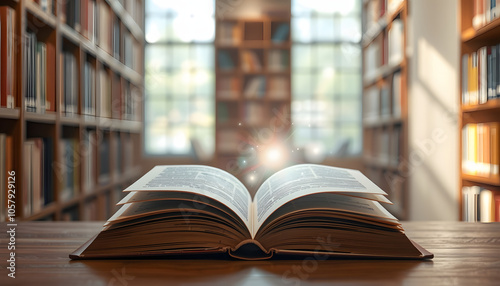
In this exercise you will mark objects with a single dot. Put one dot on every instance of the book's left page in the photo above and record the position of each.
(204, 180)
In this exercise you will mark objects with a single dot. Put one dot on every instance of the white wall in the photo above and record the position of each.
(433, 49)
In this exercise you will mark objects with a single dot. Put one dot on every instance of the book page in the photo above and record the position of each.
(301, 180)
(209, 181)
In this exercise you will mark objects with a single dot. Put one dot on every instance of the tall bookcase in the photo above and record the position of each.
(252, 87)
(385, 112)
(479, 111)
(71, 120)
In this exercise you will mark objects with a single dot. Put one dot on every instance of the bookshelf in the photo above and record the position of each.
(479, 108)
(71, 110)
(385, 112)
(252, 86)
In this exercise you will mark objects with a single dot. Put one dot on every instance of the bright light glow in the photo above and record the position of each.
(273, 156)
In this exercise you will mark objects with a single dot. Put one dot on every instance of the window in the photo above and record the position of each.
(326, 76)
(179, 76)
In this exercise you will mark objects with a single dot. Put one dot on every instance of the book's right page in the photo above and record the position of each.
(307, 179)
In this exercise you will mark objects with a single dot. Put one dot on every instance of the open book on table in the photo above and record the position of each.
(301, 210)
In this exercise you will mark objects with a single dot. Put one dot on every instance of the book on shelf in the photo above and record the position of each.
(116, 97)
(484, 11)
(255, 87)
(7, 57)
(228, 33)
(395, 147)
(104, 162)
(104, 26)
(4, 174)
(89, 89)
(395, 37)
(278, 60)
(281, 34)
(105, 94)
(70, 83)
(480, 204)
(279, 87)
(254, 113)
(89, 159)
(116, 38)
(38, 61)
(89, 19)
(385, 101)
(300, 211)
(71, 14)
(6, 167)
(227, 87)
(480, 149)
(225, 60)
(481, 75)
(29, 62)
(68, 168)
(396, 95)
(128, 48)
(371, 104)
(38, 183)
(250, 61)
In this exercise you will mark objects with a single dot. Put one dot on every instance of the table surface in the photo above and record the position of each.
(465, 253)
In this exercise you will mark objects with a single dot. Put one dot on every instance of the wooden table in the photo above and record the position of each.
(465, 254)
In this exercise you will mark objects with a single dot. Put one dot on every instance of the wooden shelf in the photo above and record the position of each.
(477, 120)
(484, 34)
(381, 122)
(9, 113)
(375, 30)
(72, 148)
(42, 118)
(385, 112)
(248, 44)
(491, 180)
(45, 18)
(490, 105)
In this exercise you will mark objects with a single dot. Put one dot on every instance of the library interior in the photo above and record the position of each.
(96, 93)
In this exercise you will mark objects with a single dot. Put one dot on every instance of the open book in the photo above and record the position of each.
(301, 210)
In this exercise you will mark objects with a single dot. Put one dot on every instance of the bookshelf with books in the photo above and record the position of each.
(70, 93)
(385, 118)
(252, 83)
(479, 108)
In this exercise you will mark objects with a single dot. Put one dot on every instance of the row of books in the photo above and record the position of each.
(480, 204)
(38, 177)
(481, 75)
(278, 60)
(38, 61)
(228, 33)
(253, 60)
(275, 87)
(480, 149)
(6, 167)
(484, 12)
(96, 21)
(387, 49)
(395, 47)
(383, 101)
(7, 57)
